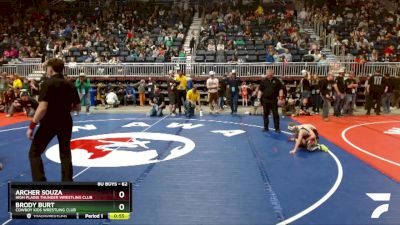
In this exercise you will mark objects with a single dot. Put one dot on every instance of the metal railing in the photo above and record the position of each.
(293, 69)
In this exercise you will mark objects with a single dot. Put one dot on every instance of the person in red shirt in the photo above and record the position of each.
(389, 50)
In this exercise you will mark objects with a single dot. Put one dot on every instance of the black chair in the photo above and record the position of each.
(210, 58)
(199, 58)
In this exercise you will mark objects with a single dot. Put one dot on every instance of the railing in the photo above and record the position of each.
(202, 69)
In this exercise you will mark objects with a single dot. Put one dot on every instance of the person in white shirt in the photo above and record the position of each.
(112, 99)
(212, 87)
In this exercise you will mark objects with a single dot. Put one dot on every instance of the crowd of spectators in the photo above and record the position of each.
(364, 29)
(137, 32)
(254, 33)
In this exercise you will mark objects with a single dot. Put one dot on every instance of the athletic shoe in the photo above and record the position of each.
(173, 114)
(278, 131)
(8, 115)
(323, 148)
(265, 129)
(75, 113)
(326, 119)
(88, 113)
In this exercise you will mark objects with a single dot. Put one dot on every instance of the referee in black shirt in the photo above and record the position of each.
(57, 97)
(271, 88)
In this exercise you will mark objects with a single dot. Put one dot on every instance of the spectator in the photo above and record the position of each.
(112, 99)
(212, 84)
(326, 88)
(101, 94)
(25, 103)
(130, 95)
(157, 103)
(120, 91)
(305, 90)
(315, 94)
(340, 94)
(9, 98)
(233, 87)
(351, 92)
(82, 84)
(245, 94)
(34, 86)
(16, 82)
(172, 92)
(387, 96)
(3, 86)
(141, 86)
(222, 91)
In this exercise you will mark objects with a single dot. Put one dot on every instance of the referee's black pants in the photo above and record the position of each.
(270, 105)
(181, 94)
(43, 136)
(372, 98)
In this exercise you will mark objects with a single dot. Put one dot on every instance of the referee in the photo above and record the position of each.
(57, 97)
(271, 88)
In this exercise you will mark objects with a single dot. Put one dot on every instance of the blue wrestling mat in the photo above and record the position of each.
(207, 170)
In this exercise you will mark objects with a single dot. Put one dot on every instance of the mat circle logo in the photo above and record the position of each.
(124, 149)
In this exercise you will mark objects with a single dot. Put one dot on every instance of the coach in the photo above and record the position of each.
(57, 97)
(270, 89)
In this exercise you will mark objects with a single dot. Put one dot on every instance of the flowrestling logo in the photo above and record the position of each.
(124, 149)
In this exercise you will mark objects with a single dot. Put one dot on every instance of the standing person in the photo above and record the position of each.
(305, 89)
(101, 94)
(120, 91)
(3, 86)
(315, 95)
(26, 85)
(57, 98)
(172, 92)
(340, 89)
(389, 94)
(376, 87)
(270, 90)
(245, 94)
(222, 92)
(233, 87)
(191, 45)
(9, 98)
(151, 86)
(182, 87)
(212, 88)
(82, 84)
(325, 88)
(189, 82)
(396, 92)
(351, 92)
(157, 103)
(192, 101)
(141, 86)
(35, 89)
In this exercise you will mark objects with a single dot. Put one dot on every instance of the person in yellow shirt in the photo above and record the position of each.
(17, 83)
(192, 99)
(181, 89)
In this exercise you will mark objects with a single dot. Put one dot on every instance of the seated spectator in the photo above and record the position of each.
(112, 99)
(130, 95)
(287, 56)
(269, 58)
(25, 103)
(211, 47)
(157, 103)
